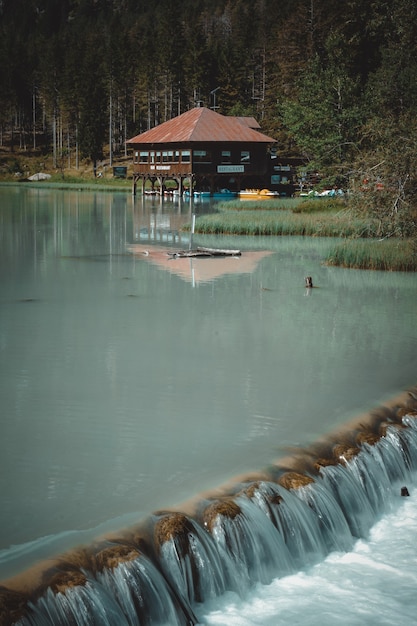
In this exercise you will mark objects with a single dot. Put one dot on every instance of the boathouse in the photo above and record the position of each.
(206, 151)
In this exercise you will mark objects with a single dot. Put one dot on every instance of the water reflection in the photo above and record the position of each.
(199, 270)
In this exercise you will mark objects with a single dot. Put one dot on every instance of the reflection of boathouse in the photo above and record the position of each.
(200, 270)
(212, 151)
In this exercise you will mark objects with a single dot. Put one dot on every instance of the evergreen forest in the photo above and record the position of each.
(334, 81)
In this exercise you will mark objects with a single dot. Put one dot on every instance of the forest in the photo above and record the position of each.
(334, 81)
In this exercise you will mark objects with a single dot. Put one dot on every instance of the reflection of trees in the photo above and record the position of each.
(62, 223)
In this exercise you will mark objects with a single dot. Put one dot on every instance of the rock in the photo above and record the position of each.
(294, 480)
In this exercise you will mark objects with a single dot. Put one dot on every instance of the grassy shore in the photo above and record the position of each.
(292, 216)
(361, 248)
(16, 167)
(78, 185)
(282, 222)
(86, 183)
(388, 255)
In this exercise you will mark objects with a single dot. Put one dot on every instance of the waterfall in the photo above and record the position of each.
(162, 571)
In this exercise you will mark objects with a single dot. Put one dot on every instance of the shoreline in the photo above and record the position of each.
(76, 186)
(353, 252)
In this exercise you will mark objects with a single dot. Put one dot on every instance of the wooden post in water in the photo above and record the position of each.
(192, 230)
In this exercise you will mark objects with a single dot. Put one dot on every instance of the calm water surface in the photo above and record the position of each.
(129, 384)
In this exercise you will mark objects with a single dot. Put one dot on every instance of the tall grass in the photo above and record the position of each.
(283, 222)
(389, 255)
(317, 218)
(296, 205)
(270, 204)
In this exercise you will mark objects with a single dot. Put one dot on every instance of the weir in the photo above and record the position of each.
(289, 517)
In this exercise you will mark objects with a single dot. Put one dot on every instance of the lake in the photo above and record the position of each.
(132, 381)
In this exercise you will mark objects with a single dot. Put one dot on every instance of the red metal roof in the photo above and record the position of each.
(249, 121)
(202, 125)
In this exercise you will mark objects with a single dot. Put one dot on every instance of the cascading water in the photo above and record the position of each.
(164, 571)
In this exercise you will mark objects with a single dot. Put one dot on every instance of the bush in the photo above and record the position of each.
(15, 166)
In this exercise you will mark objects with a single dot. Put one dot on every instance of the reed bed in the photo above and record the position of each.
(270, 204)
(387, 255)
(282, 222)
(361, 249)
(296, 205)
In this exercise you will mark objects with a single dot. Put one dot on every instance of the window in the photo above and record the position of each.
(244, 156)
(226, 156)
(143, 158)
(167, 157)
(202, 156)
(185, 156)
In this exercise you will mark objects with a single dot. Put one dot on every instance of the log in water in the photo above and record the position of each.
(203, 252)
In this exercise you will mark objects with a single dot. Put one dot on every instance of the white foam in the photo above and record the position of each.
(374, 584)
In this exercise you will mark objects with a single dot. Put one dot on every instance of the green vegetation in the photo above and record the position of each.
(388, 255)
(269, 221)
(80, 184)
(321, 217)
(320, 205)
(254, 205)
(296, 205)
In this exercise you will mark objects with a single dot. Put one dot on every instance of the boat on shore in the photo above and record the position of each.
(258, 194)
